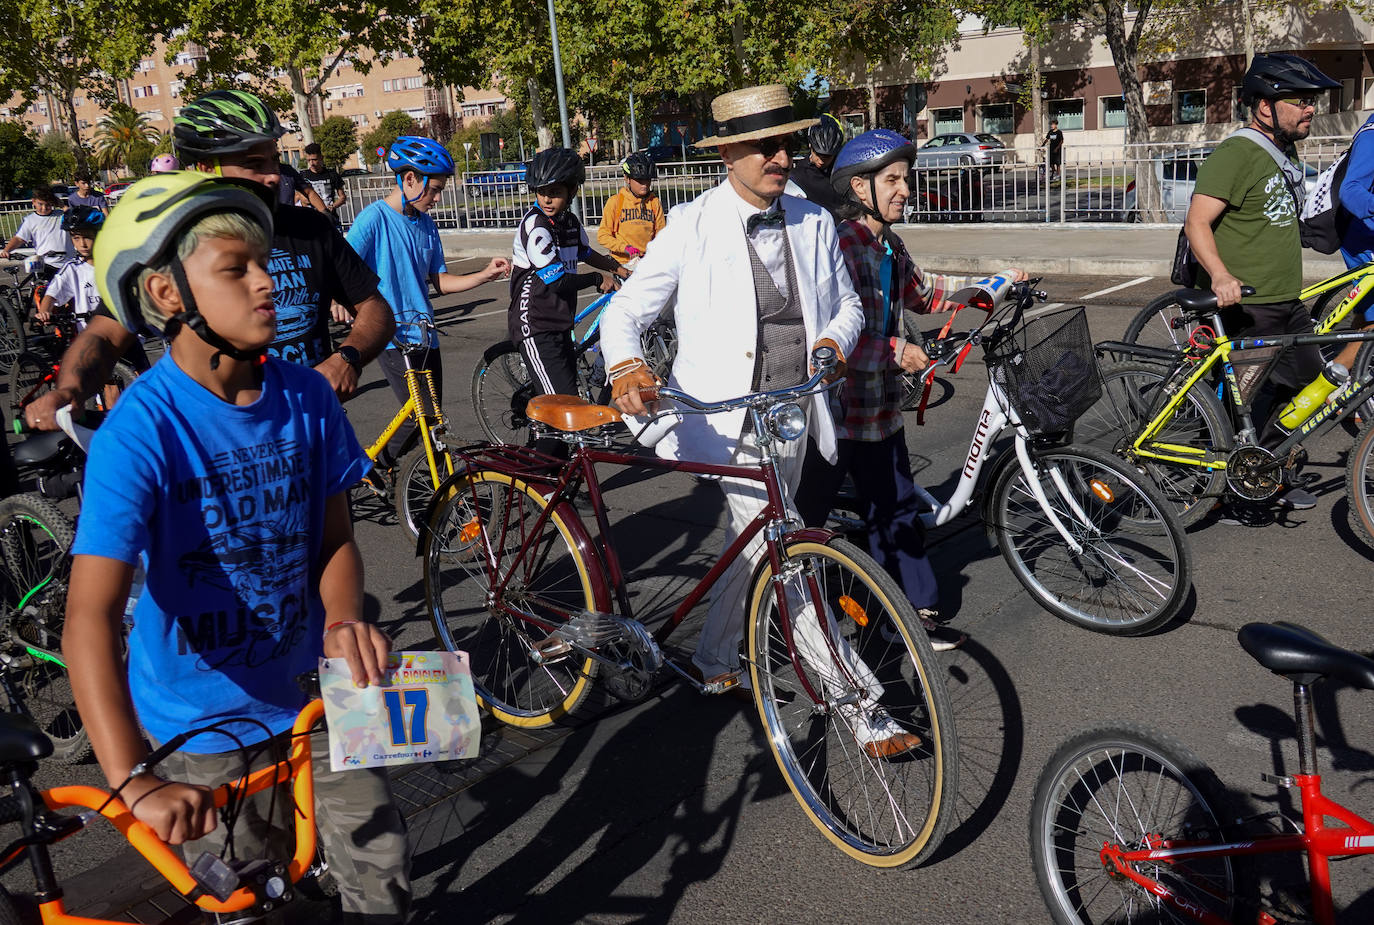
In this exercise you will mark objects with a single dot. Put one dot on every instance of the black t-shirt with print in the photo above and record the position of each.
(311, 266)
(327, 185)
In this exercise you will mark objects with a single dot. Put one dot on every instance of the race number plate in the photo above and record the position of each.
(426, 711)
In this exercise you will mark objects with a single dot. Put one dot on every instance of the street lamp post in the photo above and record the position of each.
(562, 97)
(634, 131)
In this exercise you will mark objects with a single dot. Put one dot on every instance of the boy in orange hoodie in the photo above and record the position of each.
(632, 216)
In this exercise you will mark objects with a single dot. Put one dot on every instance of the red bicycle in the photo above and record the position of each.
(1127, 825)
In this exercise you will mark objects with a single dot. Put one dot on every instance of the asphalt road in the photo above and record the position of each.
(674, 811)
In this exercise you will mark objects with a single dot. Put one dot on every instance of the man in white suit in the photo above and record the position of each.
(759, 283)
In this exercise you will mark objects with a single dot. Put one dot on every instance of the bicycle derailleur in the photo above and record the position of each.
(620, 644)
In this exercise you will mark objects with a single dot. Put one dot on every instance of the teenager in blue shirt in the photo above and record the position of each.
(225, 472)
(396, 237)
(1357, 243)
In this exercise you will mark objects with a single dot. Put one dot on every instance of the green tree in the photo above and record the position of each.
(337, 137)
(126, 138)
(61, 153)
(23, 162)
(306, 41)
(391, 125)
(58, 51)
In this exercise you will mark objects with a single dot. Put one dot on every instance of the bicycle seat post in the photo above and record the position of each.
(1305, 720)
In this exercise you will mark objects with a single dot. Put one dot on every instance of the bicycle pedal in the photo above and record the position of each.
(722, 683)
(550, 649)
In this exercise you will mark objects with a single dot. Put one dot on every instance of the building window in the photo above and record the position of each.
(1113, 112)
(996, 119)
(1068, 113)
(1190, 107)
(414, 83)
(854, 123)
(1239, 111)
(948, 120)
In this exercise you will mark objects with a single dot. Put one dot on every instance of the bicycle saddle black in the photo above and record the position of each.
(1203, 301)
(21, 739)
(1302, 656)
(39, 450)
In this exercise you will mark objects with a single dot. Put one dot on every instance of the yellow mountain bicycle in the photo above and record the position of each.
(424, 467)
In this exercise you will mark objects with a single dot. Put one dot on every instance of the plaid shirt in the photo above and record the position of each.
(872, 393)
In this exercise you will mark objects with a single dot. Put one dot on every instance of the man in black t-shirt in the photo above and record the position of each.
(311, 266)
(327, 183)
(1055, 139)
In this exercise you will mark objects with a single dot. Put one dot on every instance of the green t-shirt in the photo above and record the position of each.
(1257, 236)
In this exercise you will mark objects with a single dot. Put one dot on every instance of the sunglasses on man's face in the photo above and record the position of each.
(1302, 102)
(769, 147)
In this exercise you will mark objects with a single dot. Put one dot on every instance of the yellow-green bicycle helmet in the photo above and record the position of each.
(143, 228)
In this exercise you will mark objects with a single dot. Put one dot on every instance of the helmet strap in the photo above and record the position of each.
(1281, 138)
(193, 319)
(400, 185)
(873, 194)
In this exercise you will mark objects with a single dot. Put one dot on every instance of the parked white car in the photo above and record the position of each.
(963, 149)
(1177, 175)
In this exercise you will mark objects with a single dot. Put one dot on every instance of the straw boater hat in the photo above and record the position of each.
(752, 113)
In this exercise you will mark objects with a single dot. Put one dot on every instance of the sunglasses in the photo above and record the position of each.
(1302, 102)
(769, 147)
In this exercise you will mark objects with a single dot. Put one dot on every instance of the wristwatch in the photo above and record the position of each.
(352, 357)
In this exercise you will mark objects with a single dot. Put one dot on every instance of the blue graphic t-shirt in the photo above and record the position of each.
(404, 251)
(226, 505)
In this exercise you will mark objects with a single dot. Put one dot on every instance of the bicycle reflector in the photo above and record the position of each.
(1103, 490)
(853, 610)
(787, 421)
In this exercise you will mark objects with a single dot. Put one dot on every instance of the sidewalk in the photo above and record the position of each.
(1040, 249)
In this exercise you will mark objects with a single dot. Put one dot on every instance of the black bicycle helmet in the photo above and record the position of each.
(1271, 77)
(827, 137)
(555, 165)
(83, 220)
(639, 166)
(223, 122)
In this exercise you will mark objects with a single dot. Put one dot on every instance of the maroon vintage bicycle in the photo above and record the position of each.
(838, 663)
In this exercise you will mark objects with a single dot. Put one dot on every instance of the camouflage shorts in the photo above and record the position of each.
(361, 831)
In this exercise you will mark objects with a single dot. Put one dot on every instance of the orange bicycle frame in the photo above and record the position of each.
(296, 768)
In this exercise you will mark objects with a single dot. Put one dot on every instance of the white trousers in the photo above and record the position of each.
(718, 648)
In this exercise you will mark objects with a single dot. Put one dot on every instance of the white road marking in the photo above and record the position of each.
(1041, 310)
(1110, 289)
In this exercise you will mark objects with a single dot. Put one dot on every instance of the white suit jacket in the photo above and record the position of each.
(702, 258)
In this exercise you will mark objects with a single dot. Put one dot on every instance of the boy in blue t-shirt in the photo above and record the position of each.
(225, 472)
(396, 237)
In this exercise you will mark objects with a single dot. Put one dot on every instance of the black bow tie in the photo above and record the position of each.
(772, 218)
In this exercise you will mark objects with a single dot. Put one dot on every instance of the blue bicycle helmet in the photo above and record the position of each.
(423, 155)
(865, 155)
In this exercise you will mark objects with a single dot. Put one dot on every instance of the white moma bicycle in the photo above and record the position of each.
(1090, 538)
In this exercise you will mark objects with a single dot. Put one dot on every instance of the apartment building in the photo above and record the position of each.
(1190, 95)
(157, 89)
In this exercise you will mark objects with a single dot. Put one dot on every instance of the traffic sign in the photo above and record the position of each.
(591, 144)
(381, 152)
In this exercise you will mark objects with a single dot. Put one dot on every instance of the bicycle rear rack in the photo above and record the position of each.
(518, 461)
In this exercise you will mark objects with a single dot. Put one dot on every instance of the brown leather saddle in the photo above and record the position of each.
(569, 413)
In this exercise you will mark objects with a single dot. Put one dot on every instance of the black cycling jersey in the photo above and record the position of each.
(543, 277)
(815, 183)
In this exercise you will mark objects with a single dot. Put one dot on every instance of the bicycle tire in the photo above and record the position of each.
(1074, 811)
(911, 382)
(14, 336)
(481, 526)
(1132, 575)
(26, 374)
(35, 546)
(1152, 325)
(1359, 482)
(1363, 365)
(884, 812)
(1132, 390)
(120, 378)
(9, 910)
(414, 489)
(501, 387)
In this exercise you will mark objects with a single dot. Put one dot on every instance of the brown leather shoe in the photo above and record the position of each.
(892, 746)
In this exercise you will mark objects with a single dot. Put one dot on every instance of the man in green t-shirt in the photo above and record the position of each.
(1243, 225)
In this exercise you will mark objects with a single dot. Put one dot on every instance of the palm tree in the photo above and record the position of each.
(124, 137)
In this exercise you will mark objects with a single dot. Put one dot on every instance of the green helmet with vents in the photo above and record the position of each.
(223, 122)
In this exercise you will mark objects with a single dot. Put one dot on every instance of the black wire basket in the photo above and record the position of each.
(1048, 370)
